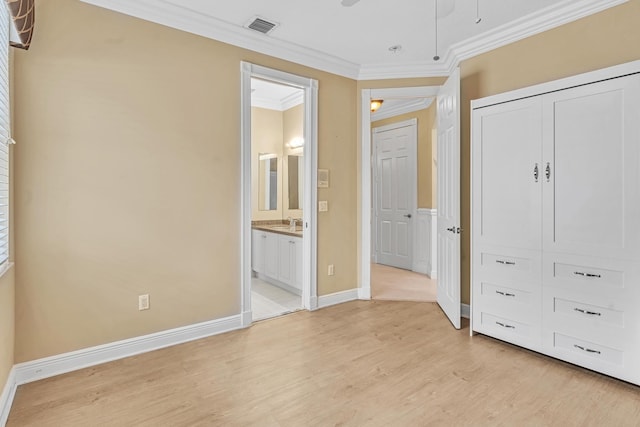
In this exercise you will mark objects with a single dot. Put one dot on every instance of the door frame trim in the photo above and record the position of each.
(309, 241)
(364, 268)
(414, 195)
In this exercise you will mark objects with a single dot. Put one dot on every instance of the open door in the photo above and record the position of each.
(448, 111)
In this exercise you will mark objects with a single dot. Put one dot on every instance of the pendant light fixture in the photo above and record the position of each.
(435, 20)
(478, 19)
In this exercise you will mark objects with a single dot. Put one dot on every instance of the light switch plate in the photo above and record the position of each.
(323, 206)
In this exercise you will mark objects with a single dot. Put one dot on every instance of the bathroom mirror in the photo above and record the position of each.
(295, 180)
(267, 182)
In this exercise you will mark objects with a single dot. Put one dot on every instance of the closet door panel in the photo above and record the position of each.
(507, 151)
(591, 160)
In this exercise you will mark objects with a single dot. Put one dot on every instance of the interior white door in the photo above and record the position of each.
(396, 183)
(448, 111)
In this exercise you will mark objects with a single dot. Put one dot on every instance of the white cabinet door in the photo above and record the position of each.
(257, 250)
(592, 169)
(298, 264)
(285, 250)
(507, 174)
(271, 255)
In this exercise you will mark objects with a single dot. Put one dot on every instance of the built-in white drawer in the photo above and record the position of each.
(510, 267)
(598, 276)
(519, 332)
(507, 301)
(590, 314)
(507, 295)
(587, 349)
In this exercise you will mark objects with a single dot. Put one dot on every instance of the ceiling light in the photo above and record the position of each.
(395, 48)
(376, 104)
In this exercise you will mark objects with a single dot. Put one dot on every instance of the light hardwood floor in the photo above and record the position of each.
(361, 363)
(395, 284)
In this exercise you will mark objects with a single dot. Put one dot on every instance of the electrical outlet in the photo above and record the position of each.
(331, 270)
(143, 302)
(323, 206)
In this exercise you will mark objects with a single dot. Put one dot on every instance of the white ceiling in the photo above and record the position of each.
(274, 96)
(354, 41)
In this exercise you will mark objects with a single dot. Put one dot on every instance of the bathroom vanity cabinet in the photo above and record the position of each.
(277, 258)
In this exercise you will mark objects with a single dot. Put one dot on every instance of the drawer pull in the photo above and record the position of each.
(580, 273)
(499, 261)
(505, 294)
(588, 350)
(590, 313)
(504, 325)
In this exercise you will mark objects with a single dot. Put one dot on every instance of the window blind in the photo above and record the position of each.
(5, 134)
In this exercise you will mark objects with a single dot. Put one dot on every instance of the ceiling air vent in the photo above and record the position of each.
(261, 25)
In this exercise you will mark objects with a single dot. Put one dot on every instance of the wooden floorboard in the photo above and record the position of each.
(394, 284)
(379, 363)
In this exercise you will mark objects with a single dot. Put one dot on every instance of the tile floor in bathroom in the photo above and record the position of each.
(268, 300)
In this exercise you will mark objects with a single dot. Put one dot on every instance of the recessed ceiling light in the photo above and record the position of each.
(395, 48)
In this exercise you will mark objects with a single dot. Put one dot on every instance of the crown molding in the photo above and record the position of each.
(284, 104)
(266, 103)
(164, 13)
(292, 100)
(409, 107)
(527, 26)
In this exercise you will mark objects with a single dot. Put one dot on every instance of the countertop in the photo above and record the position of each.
(280, 229)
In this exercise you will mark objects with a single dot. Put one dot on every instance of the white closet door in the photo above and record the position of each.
(507, 184)
(591, 174)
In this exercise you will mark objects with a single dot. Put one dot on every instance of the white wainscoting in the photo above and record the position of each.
(425, 251)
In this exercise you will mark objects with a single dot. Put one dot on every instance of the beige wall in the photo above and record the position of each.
(126, 185)
(7, 330)
(605, 39)
(128, 178)
(266, 138)
(425, 118)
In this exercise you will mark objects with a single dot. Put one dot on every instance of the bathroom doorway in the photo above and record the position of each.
(279, 163)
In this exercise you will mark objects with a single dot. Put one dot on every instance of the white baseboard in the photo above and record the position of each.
(433, 275)
(364, 294)
(465, 311)
(6, 398)
(420, 268)
(55, 365)
(247, 318)
(337, 298)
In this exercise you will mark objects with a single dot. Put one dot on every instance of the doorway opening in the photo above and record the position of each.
(403, 258)
(440, 239)
(279, 152)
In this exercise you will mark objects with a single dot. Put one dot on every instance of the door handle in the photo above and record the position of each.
(407, 216)
(547, 172)
(452, 229)
(536, 173)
